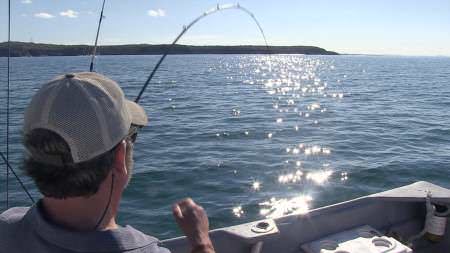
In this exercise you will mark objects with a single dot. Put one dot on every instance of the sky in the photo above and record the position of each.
(398, 27)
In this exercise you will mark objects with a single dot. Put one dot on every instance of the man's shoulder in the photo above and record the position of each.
(153, 248)
(11, 223)
(55, 238)
(140, 241)
(13, 215)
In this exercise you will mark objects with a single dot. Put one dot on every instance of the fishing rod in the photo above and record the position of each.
(5, 158)
(186, 28)
(17, 177)
(94, 51)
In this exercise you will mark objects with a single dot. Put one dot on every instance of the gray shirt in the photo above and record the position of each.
(24, 229)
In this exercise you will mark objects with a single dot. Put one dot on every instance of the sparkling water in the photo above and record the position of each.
(254, 136)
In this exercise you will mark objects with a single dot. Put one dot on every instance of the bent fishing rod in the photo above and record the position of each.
(5, 158)
(186, 28)
(94, 51)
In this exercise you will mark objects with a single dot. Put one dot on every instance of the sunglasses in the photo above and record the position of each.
(132, 133)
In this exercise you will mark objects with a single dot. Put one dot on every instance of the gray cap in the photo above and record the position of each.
(88, 110)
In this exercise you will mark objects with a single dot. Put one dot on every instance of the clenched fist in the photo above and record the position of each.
(193, 221)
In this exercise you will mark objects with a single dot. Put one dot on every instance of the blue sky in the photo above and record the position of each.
(404, 27)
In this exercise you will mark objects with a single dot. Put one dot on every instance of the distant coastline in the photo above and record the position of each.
(28, 49)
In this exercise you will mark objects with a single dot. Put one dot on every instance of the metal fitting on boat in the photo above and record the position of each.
(263, 227)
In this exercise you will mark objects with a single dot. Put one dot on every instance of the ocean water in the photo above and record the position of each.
(253, 136)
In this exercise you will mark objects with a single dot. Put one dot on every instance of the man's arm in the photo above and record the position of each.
(192, 219)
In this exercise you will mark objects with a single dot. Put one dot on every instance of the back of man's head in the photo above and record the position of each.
(68, 179)
(72, 127)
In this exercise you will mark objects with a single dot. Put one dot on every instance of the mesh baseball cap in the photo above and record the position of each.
(88, 110)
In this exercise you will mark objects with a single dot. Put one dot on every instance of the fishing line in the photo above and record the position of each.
(94, 51)
(91, 66)
(7, 103)
(186, 28)
(6, 157)
(16, 176)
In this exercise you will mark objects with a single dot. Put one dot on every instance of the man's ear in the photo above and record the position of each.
(119, 161)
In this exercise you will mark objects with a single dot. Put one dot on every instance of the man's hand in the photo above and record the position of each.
(192, 219)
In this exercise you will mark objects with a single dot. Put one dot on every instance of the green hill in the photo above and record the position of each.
(38, 49)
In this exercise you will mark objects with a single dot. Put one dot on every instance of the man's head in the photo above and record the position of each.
(77, 129)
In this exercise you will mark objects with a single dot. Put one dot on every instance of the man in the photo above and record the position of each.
(79, 132)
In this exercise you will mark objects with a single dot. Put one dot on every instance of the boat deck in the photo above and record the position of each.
(398, 213)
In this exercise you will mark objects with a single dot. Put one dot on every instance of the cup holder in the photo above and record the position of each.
(367, 233)
(382, 244)
(329, 245)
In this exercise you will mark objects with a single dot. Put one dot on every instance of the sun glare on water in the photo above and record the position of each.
(319, 177)
(237, 211)
(256, 185)
(301, 97)
(275, 208)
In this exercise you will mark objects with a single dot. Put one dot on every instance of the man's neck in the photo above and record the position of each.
(84, 213)
(77, 215)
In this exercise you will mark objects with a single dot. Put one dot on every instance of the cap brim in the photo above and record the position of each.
(138, 115)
